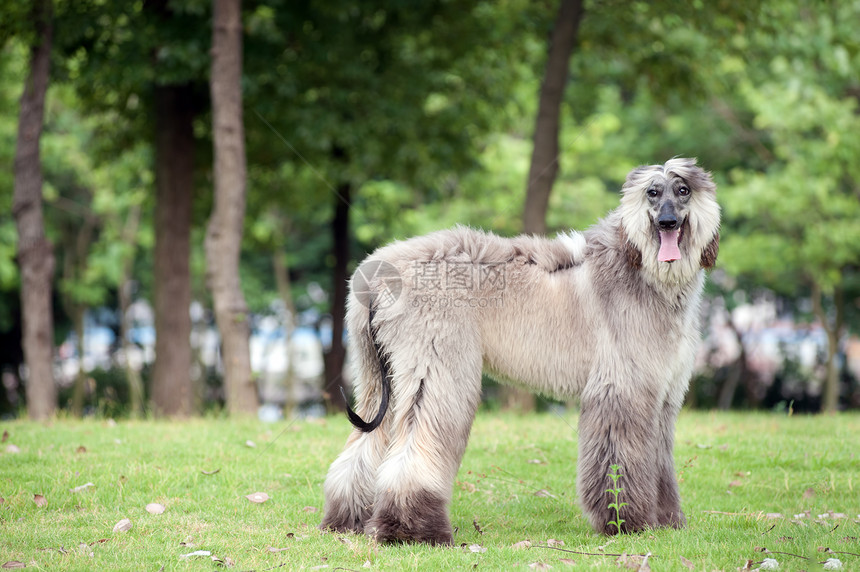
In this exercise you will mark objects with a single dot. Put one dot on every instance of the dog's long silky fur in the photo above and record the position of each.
(594, 314)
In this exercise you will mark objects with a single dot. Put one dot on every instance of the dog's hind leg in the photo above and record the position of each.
(350, 485)
(436, 389)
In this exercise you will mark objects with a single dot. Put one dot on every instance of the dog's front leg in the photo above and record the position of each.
(616, 428)
(669, 511)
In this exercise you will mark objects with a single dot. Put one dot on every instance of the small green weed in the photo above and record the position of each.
(615, 474)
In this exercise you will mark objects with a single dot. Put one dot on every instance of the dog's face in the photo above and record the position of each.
(671, 216)
(668, 200)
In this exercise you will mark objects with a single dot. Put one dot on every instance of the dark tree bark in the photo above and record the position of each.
(224, 234)
(545, 153)
(739, 374)
(833, 327)
(35, 252)
(544, 162)
(282, 280)
(172, 389)
(135, 382)
(335, 358)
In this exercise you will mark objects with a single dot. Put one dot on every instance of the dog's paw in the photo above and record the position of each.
(422, 518)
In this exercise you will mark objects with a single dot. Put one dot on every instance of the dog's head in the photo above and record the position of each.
(671, 217)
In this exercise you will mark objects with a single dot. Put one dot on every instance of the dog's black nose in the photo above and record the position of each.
(667, 221)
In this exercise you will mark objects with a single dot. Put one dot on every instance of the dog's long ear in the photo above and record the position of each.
(631, 253)
(709, 254)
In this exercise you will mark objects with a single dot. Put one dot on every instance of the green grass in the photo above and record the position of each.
(733, 469)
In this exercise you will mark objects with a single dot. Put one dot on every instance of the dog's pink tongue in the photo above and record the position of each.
(669, 250)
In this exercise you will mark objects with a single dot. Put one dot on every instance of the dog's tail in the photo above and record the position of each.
(355, 418)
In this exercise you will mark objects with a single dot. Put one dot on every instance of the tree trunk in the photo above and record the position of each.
(172, 390)
(282, 279)
(224, 234)
(545, 154)
(334, 359)
(35, 252)
(135, 383)
(830, 399)
(79, 388)
(739, 374)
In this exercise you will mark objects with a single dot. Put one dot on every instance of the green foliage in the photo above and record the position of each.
(12, 73)
(796, 221)
(427, 112)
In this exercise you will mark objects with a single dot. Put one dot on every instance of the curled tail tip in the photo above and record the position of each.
(355, 418)
(361, 424)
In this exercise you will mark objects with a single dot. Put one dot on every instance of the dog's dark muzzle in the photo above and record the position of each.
(667, 219)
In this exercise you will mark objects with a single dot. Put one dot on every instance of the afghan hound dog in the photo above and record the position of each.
(610, 314)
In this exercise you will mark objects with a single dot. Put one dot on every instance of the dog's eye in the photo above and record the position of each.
(652, 193)
(684, 191)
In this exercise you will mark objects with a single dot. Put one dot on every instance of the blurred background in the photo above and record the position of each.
(189, 184)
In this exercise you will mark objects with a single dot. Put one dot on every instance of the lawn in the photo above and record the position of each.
(748, 482)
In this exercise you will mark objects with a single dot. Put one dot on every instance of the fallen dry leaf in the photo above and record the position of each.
(310, 509)
(155, 508)
(545, 493)
(257, 497)
(540, 566)
(477, 548)
(250, 444)
(40, 500)
(772, 515)
(81, 488)
(808, 493)
(211, 472)
(634, 562)
(554, 542)
(688, 563)
(13, 564)
(467, 486)
(5, 436)
(123, 526)
(522, 544)
(273, 549)
(536, 462)
(81, 449)
(226, 561)
(735, 484)
(567, 561)
(10, 448)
